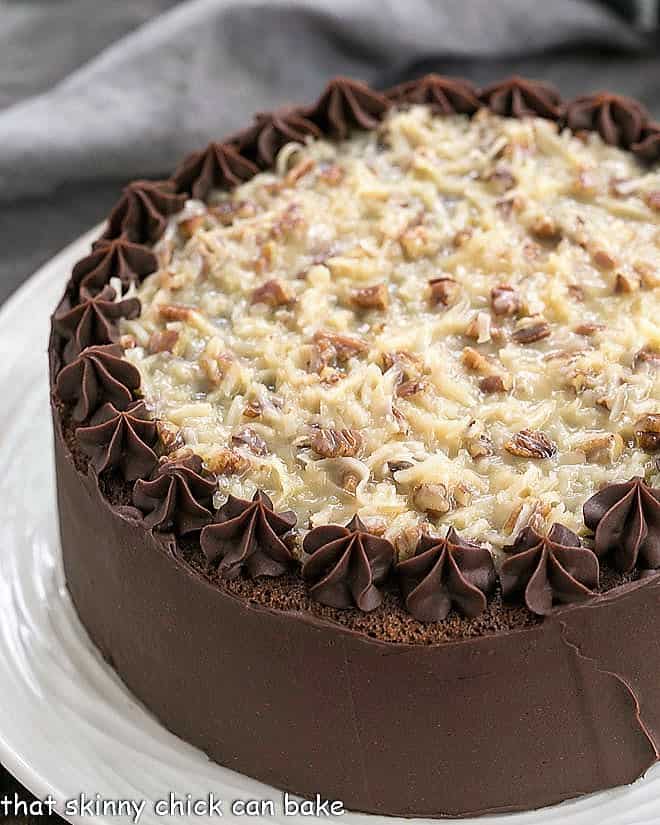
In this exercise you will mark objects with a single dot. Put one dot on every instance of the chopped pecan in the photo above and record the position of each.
(288, 222)
(274, 293)
(444, 291)
(410, 388)
(371, 297)
(588, 329)
(330, 443)
(546, 229)
(495, 379)
(602, 448)
(501, 179)
(603, 259)
(406, 363)
(653, 200)
(226, 462)
(531, 330)
(462, 237)
(504, 300)
(646, 356)
(175, 312)
(247, 437)
(401, 421)
(170, 437)
(127, 341)
(163, 340)
(332, 346)
(431, 498)
(576, 292)
(214, 361)
(252, 409)
(477, 442)
(481, 328)
(647, 432)
(531, 444)
(626, 283)
(406, 541)
(396, 466)
(188, 226)
(493, 383)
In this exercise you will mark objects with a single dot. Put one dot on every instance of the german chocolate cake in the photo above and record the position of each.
(357, 433)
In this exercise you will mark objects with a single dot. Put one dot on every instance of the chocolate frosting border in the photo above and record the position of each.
(328, 723)
(140, 215)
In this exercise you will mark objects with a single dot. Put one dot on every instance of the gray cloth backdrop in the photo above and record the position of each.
(93, 94)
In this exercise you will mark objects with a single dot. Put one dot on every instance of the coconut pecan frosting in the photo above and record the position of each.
(343, 566)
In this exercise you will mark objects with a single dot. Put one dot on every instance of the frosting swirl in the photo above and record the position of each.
(444, 95)
(97, 375)
(648, 146)
(346, 565)
(271, 130)
(121, 440)
(177, 497)
(117, 258)
(347, 104)
(93, 321)
(142, 211)
(219, 166)
(518, 97)
(549, 569)
(248, 536)
(619, 120)
(626, 521)
(444, 573)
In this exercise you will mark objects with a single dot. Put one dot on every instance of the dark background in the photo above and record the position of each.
(39, 48)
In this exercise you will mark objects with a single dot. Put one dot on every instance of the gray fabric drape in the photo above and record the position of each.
(93, 94)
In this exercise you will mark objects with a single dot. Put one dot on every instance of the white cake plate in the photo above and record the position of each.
(67, 723)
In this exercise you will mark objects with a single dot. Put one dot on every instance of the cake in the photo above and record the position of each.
(357, 419)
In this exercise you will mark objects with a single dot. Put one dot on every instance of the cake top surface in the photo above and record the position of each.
(444, 322)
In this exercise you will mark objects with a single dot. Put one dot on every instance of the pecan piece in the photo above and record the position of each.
(531, 330)
(504, 300)
(653, 200)
(602, 448)
(247, 437)
(410, 388)
(603, 259)
(444, 291)
(626, 283)
(647, 432)
(492, 384)
(546, 229)
(175, 312)
(646, 356)
(588, 329)
(162, 341)
(431, 498)
(170, 437)
(330, 443)
(226, 462)
(371, 297)
(332, 346)
(189, 226)
(531, 444)
(274, 293)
